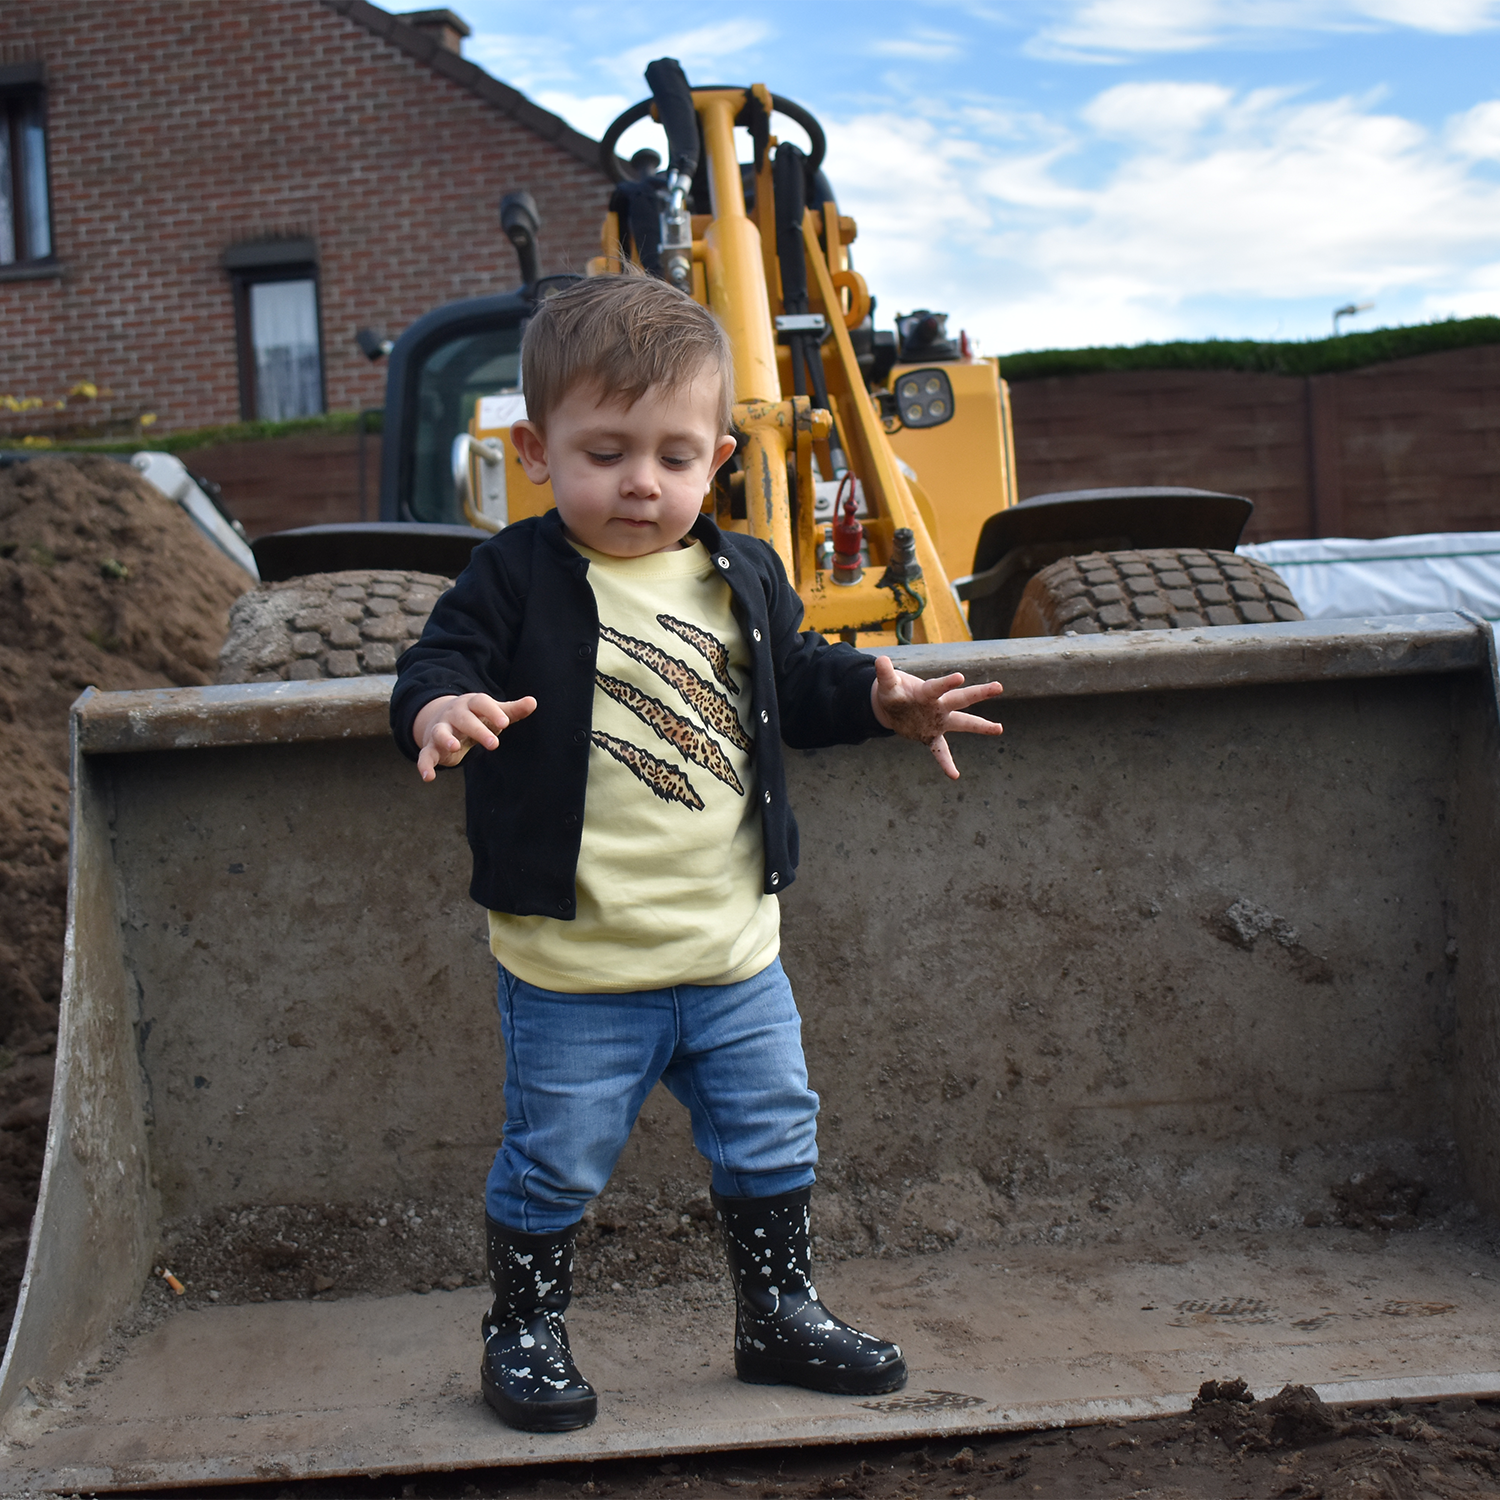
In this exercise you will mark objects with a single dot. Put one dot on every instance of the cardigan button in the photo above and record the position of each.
(723, 562)
(775, 877)
(571, 821)
(768, 799)
(755, 634)
(584, 653)
(765, 718)
(580, 736)
(565, 906)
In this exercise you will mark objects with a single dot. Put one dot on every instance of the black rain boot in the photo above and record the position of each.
(782, 1334)
(528, 1374)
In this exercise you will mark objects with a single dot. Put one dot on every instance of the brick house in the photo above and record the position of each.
(201, 204)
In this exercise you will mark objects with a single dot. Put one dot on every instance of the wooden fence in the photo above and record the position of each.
(1408, 446)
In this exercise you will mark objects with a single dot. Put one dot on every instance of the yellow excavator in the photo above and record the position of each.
(880, 466)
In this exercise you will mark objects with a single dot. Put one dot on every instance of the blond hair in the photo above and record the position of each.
(622, 335)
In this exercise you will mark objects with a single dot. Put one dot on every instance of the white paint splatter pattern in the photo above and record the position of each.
(779, 1317)
(528, 1371)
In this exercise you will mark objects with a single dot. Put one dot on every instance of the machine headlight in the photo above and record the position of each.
(925, 397)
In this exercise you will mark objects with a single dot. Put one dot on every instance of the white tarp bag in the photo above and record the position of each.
(1338, 577)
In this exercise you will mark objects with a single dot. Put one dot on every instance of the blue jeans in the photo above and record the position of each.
(579, 1067)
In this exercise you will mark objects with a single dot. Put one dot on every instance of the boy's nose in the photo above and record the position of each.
(639, 480)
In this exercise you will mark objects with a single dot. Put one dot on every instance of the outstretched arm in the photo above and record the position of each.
(448, 728)
(929, 711)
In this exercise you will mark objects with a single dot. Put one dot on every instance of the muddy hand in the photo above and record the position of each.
(458, 724)
(929, 711)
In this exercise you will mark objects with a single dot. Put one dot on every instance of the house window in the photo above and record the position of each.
(276, 317)
(25, 210)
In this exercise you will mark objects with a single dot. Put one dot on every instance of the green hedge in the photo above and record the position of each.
(231, 432)
(1351, 351)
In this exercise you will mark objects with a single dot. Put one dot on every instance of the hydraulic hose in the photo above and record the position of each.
(789, 177)
(674, 104)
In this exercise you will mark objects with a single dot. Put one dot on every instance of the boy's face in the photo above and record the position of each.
(628, 480)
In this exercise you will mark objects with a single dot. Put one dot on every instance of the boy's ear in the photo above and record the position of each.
(722, 450)
(531, 448)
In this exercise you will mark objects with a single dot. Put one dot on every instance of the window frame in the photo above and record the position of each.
(256, 264)
(21, 85)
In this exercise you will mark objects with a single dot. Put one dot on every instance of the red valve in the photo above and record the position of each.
(848, 539)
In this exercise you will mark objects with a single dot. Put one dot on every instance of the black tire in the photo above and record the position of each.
(1156, 589)
(352, 624)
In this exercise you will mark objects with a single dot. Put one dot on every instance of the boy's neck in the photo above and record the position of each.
(681, 542)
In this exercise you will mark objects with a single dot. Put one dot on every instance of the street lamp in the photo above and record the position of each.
(1348, 311)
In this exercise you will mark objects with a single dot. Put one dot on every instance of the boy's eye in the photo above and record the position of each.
(604, 458)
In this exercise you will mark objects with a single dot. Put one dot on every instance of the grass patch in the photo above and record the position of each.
(1351, 351)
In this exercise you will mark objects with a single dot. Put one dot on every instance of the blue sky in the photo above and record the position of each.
(1102, 171)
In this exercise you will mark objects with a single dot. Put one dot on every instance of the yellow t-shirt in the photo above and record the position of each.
(670, 869)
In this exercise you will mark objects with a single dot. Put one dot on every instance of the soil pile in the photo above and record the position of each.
(104, 582)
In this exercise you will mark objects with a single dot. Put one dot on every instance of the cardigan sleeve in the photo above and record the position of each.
(467, 643)
(822, 687)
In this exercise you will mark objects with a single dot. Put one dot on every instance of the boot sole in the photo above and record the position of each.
(539, 1416)
(851, 1383)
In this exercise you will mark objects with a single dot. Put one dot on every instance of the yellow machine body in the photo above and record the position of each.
(966, 468)
(940, 483)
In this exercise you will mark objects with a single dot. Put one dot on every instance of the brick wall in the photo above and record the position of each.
(176, 130)
(1408, 446)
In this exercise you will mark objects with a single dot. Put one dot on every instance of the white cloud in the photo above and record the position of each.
(925, 47)
(1111, 30)
(1473, 295)
(524, 62)
(1450, 17)
(1213, 198)
(1156, 111)
(1097, 29)
(701, 51)
(590, 113)
(558, 79)
(1476, 132)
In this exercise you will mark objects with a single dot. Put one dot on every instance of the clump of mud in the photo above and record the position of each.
(1293, 1418)
(104, 582)
(1381, 1199)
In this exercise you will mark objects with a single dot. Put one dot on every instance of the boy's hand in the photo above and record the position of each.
(448, 728)
(930, 711)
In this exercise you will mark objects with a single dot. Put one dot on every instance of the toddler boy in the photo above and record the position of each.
(627, 674)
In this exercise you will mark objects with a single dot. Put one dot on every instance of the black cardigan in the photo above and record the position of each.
(521, 620)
